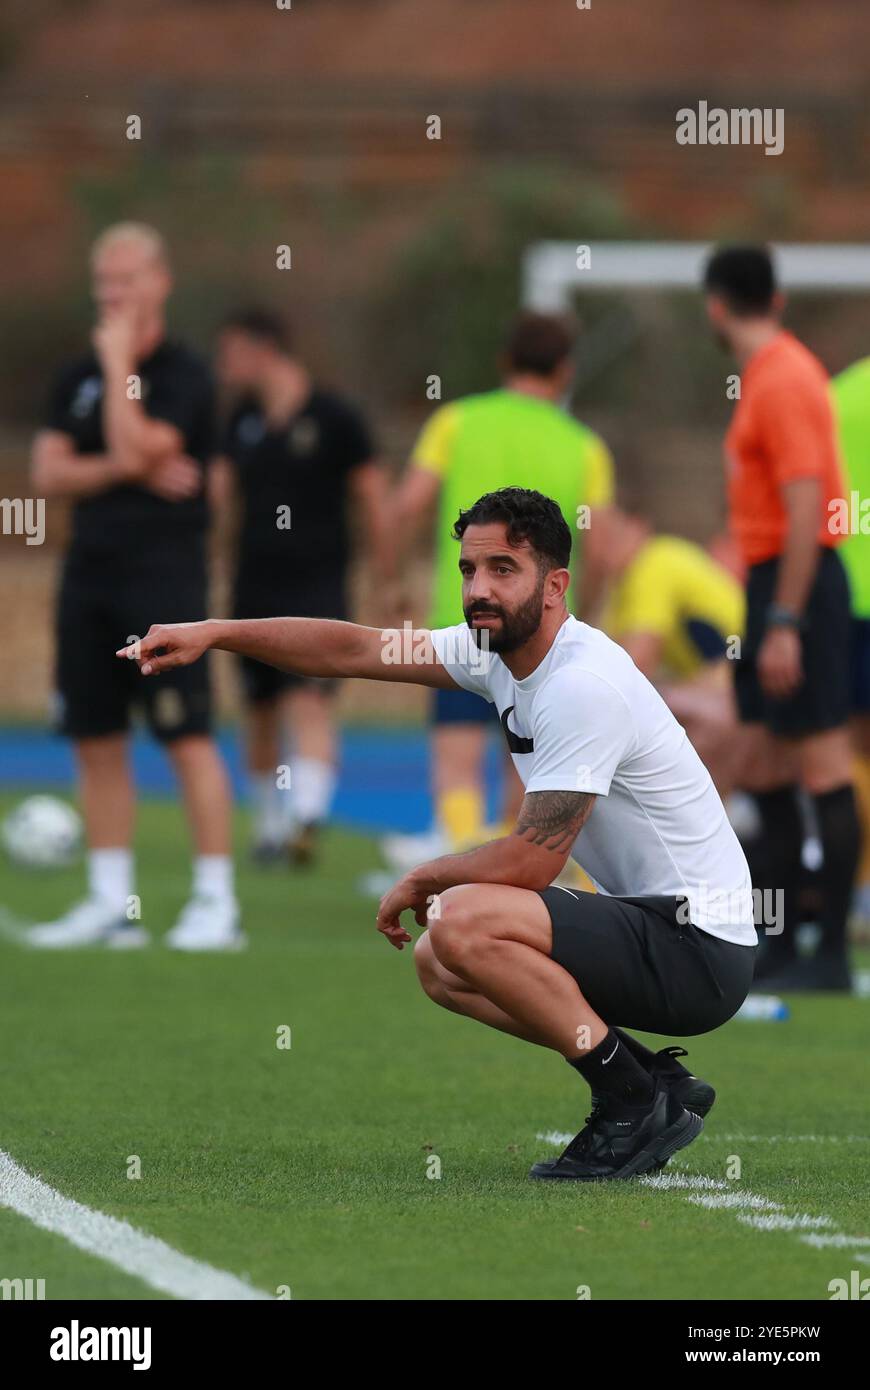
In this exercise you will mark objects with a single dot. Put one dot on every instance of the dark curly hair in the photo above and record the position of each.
(528, 516)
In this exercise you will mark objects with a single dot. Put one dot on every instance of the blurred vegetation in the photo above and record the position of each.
(389, 289)
(454, 286)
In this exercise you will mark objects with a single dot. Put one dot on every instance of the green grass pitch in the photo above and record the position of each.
(307, 1167)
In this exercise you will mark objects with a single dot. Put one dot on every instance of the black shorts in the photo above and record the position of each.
(318, 597)
(461, 707)
(100, 608)
(640, 966)
(861, 665)
(824, 698)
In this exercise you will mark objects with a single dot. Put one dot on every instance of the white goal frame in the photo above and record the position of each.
(550, 273)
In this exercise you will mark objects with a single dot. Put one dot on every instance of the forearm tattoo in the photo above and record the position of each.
(554, 819)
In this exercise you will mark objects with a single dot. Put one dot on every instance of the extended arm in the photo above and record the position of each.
(306, 646)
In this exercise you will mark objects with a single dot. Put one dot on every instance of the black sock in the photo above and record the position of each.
(640, 1053)
(777, 870)
(611, 1070)
(840, 834)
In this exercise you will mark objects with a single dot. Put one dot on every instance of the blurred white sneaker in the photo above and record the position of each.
(208, 924)
(92, 922)
(404, 852)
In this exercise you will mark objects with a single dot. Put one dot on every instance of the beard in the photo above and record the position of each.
(516, 627)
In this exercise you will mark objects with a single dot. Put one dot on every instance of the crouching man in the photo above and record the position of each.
(666, 945)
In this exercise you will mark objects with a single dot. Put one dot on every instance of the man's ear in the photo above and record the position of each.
(557, 585)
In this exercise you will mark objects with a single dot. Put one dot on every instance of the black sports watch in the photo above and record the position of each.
(780, 616)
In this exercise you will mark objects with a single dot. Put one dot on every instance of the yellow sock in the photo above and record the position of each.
(460, 813)
(862, 794)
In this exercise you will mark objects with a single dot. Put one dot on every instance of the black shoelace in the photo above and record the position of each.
(580, 1143)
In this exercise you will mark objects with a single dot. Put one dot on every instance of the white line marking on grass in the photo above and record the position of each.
(114, 1241)
(785, 1223)
(751, 1210)
(554, 1136)
(794, 1138)
(727, 1201)
(685, 1180)
(839, 1242)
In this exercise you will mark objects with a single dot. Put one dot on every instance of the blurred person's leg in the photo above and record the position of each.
(291, 743)
(95, 696)
(106, 791)
(179, 713)
(108, 803)
(770, 775)
(861, 768)
(826, 772)
(263, 748)
(205, 790)
(457, 778)
(210, 919)
(308, 713)
(814, 721)
(458, 733)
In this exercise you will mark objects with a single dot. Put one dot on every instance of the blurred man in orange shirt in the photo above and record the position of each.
(793, 676)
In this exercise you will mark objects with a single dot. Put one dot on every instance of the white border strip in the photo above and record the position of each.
(110, 1239)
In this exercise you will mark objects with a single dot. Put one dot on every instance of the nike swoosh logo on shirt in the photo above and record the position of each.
(515, 742)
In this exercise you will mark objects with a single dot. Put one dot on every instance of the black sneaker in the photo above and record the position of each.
(692, 1093)
(620, 1141)
(266, 852)
(303, 845)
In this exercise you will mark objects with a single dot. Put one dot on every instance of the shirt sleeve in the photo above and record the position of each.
(435, 441)
(56, 416)
(797, 426)
(600, 475)
(357, 441)
(582, 729)
(459, 654)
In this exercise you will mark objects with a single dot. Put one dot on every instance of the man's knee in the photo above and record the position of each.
(195, 755)
(104, 751)
(459, 924)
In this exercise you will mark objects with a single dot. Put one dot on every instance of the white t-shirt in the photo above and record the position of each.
(586, 719)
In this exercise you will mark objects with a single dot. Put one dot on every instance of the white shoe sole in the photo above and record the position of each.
(128, 939)
(237, 942)
(36, 944)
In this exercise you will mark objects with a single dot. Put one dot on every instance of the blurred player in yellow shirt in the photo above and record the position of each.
(679, 613)
(519, 435)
